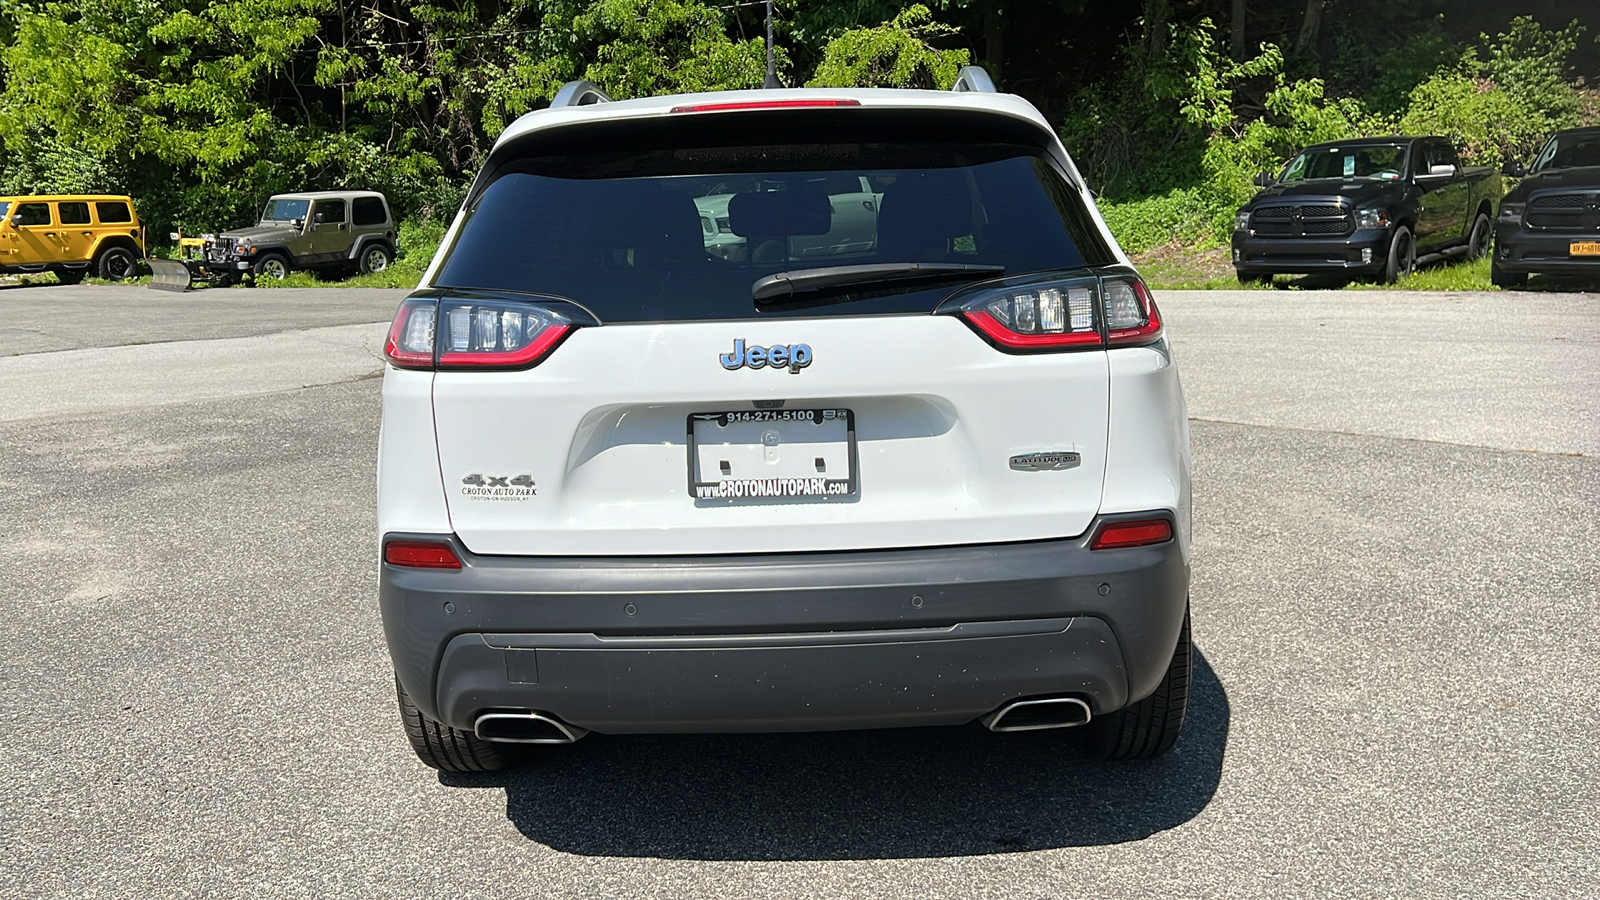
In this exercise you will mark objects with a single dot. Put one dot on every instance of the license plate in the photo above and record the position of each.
(1585, 248)
(772, 455)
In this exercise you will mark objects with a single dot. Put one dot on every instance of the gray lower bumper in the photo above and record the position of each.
(1534, 253)
(1252, 255)
(784, 642)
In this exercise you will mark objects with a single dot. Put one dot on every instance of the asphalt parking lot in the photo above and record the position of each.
(1395, 603)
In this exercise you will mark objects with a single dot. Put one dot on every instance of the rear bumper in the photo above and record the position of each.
(1521, 252)
(1252, 255)
(785, 642)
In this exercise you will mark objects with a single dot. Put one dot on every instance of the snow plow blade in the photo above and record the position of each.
(168, 275)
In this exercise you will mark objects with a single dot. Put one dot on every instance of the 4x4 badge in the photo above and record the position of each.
(498, 487)
(793, 356)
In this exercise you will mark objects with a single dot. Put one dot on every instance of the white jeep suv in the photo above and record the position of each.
(933, 474)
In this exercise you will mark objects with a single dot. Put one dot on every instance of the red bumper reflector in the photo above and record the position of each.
(762, 104)
(1132, 534)
(420, 555)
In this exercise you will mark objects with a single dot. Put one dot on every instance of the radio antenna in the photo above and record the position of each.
(772, 64)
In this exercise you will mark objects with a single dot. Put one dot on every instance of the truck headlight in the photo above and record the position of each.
(1372, 218)
(1241, 221)
(1511, 211)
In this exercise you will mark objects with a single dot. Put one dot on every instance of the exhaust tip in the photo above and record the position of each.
(525, 728)
(1036, 715)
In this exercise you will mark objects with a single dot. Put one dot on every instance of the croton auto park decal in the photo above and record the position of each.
(514, 488)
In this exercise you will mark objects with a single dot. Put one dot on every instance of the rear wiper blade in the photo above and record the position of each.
(779, 285)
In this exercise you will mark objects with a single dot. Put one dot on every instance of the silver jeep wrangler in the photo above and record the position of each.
(338, 232)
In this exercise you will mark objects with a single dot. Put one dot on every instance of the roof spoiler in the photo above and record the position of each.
(579, 93)
(974, 78)
(584, 93)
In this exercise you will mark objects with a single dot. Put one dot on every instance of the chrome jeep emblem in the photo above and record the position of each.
(794, 357)
(1045, 462)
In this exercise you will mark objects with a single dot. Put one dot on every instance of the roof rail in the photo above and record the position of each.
(579, 93)
(974, 78)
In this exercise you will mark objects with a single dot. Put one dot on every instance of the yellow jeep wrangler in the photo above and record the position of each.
(72, 235)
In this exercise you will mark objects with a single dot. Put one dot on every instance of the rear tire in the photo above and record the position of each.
(1503, 279)
(449, 749)
(1151, 726)
(375, 258)
(1402, 255)
(1478, 240)
(116, 264)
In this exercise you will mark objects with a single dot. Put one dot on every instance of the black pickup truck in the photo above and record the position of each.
(1550, 222)
(1371, 207)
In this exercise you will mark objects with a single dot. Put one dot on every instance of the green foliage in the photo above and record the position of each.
(1502, 106)
(1530, 65)
(1145, 223)
(648, 47)
(52, 167)
(1484, 121)
(1497, 102)
(1383, 74)
(1191, 94)
(1455, 276)
(201, 108)
(897, 53)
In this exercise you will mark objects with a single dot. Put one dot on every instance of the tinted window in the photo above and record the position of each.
(33, 214)
(634, 249)
(1569, 151)
(331, 211)
(369, 211)
(113, 212)
(1384, 161)
(74, 213)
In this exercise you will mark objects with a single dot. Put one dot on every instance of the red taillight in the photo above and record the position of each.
(1037, 317)
(1000, 334)
(1131, 315)
(1132, 534)
(1043, 316)
(539, 343)
(410, 343)
(473, 334)
(762, 104)
(421, 555)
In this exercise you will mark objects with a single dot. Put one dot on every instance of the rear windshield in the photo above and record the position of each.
(682, 234)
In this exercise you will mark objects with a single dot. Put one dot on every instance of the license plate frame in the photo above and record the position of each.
(781, 489)
(1584, 248)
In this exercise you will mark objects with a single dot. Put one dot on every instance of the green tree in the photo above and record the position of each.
(897, 53)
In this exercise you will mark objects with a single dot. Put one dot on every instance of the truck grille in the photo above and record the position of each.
(220, 249)
(1301, 221)
(1570, 212)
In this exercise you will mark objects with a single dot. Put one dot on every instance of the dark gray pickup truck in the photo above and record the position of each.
(1371, 207)
(1550, 222)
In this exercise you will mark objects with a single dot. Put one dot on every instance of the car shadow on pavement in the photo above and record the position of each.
(902, 793)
